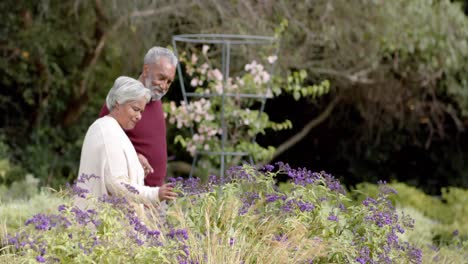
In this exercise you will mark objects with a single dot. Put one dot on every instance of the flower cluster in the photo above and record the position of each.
(186, 115)
(45, 222)
(260, 75)
(248, 199)
(196, 114)
(382, 217)
(304, 177)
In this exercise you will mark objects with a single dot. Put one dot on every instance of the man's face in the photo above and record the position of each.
(158, 77)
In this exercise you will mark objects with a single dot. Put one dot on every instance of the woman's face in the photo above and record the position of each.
(129, 113)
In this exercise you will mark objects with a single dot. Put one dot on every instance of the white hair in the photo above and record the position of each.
(156, 53)
(126, 89)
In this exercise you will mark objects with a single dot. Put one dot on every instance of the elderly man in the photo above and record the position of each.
(149, 135)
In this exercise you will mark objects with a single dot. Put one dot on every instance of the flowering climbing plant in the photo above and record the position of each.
(230, 107)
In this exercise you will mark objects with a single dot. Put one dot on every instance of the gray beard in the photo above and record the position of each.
(155, 96)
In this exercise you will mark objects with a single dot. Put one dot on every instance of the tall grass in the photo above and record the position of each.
(14, 213)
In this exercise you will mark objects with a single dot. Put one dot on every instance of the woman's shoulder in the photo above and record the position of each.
(105, 126)
(105, 121)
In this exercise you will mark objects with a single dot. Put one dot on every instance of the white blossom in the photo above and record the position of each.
(194, 58)
(215, 75)
(204, 68)
(272, 59)
(205, 49)
(194, 82)
(218, 87)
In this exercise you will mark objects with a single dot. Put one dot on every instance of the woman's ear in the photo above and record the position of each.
(145, 71)
(116, 106)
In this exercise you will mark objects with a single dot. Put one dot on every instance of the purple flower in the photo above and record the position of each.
(382, 218)
(62, 208)
(333, 218)
(361, 260)
(269, 198)
(392, 239)
(288, 206)
(78, 191)
(134, 236)
(305, 206)
(140, 227)
(40, 221)
(248, 199)
(364, 254)
(193, 186)
(304, 177)
(13, 240)
(116, 201)
(283, 166)
(281, 237)
(342, 207)
(130, 188)
(85, 177)
(185, 248)
(154, 233)
(40, 259)
(139, 242)
(455, 233)
(415, 254)
(268, 167)
(180, 234)
(213, 179)
(82, 217)
(239, 173)
(231, 241)
(385, 189)
(400, 229)
(332, 183)
(369, 201)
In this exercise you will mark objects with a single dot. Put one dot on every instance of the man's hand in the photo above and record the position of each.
(166, 192)
(145, 164)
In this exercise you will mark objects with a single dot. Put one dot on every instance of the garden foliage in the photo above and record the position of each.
(241, 218)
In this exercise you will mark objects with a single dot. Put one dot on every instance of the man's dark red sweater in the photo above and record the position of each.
(149, 139)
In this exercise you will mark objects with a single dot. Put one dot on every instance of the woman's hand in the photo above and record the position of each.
(145, 164)
(166, 192)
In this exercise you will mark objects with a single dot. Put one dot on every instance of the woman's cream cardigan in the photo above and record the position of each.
(108, 153)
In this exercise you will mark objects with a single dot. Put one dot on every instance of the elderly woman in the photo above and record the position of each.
(108, 153)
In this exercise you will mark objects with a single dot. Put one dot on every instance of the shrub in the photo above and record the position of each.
(446, 213)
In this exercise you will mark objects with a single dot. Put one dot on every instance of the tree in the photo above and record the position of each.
(59, 60)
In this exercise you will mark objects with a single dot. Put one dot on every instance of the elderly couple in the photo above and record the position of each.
(126, 146)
